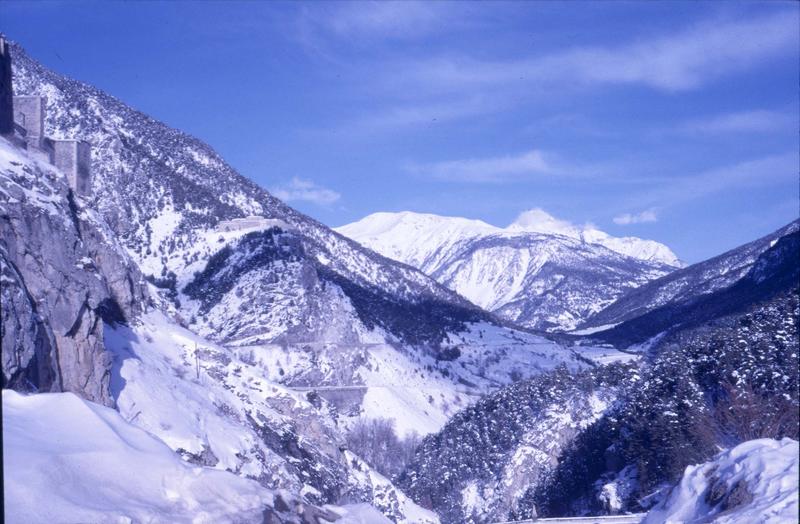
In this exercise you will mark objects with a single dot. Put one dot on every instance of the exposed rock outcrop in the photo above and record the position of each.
(62, 279)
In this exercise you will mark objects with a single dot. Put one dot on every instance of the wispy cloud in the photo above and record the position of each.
(492, 169)
(757, 121)
(299, 189)
(422, 113)
(648, 215)
(678, 62)
(395, 19)
(354, 22)
(760, 172)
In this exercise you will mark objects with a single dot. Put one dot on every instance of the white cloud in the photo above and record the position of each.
(679, 62)
(758, 121)
(760, 172)
(299, 189)
(383, 19)
(493, 169)
(625, 219)
(539, 220)
(399, 19)
(424, 113)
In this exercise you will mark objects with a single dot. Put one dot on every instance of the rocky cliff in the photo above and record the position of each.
(63, 278)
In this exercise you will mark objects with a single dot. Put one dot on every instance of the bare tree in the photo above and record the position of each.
(742, 413)
(375, 441)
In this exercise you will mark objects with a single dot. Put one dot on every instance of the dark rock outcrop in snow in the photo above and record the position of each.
(63, 277)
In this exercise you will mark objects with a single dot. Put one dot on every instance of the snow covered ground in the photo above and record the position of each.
(605, 355)
(69, 460)
(757, 481)
(213, 408)
(417, 392)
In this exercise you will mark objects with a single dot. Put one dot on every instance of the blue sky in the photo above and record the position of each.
(668, 120)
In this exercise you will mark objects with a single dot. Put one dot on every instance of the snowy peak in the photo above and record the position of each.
(417, 239)
(540, 271)
(538, 220)
(402, 236)
(380, 223)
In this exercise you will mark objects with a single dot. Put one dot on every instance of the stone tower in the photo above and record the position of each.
(6, 94)
(29, 114)
(22, 117)
(74, 159)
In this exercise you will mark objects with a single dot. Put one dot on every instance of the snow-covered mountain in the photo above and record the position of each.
(273, 334)
(282, 282)
(238, 341)
(539, 221)
(78, 317)
(699, 293)
(614, 439)
(539, 272)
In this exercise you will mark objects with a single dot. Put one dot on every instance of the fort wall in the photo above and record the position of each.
(74, 159)
(29, 114)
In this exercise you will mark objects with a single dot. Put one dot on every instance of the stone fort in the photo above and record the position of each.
(22, 122)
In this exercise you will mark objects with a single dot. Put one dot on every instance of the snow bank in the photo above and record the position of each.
(69, 460)
(358, 514)
(756, 481)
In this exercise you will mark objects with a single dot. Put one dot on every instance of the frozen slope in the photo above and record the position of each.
(757, 481)
(69, 460)
(539, 272)
(217, 409)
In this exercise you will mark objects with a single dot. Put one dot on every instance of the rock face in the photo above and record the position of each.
(539, 272)
(63, 278)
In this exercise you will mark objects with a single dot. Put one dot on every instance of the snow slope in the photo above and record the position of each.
(69, 460)
(539, 272)
(215, 409)
(757, 481)
(723, 285)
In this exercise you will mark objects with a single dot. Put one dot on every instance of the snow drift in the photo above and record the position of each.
(70, 460)
(757, 481)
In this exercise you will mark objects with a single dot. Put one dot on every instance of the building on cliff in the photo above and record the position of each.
(22, 120)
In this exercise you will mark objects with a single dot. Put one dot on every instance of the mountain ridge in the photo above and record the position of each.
(539, 272)
(685, 295)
